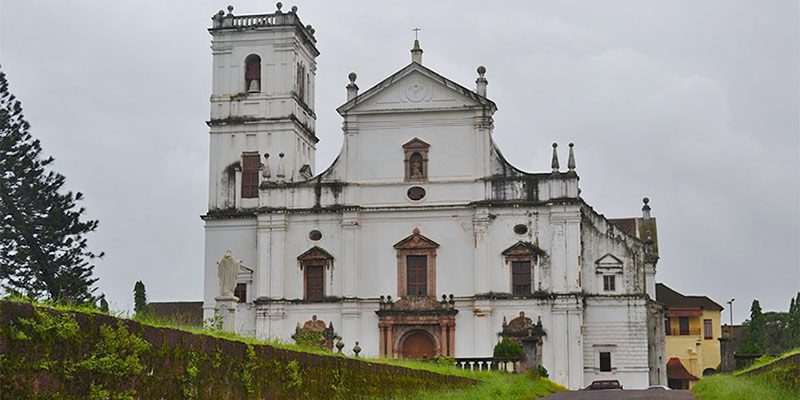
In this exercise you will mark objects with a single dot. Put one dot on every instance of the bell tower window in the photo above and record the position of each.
(250, 167)
(416, 160)
(252, 73)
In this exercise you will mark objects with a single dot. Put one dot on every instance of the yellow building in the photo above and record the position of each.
(693, 331)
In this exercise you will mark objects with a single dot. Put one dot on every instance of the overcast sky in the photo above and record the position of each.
(693, 104)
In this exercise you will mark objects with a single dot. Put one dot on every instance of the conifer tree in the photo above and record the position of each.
(755, 332)
(794, 322)
(139, 299)
(43, 248)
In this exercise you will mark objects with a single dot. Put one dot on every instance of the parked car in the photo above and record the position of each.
(604, 385)
(658, 387)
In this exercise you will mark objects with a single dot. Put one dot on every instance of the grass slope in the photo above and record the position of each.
(727, 387)
(765, 360)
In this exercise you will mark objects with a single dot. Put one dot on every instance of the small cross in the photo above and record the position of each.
(416, 33)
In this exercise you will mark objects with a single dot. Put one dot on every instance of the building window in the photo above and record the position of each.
(609, 283)
(301, 83)
(521, 277)
(416, 160)
(417, 275)
(683, 323)
(605, 361)
(240, 291)
(314, 262)
(668, 326)
(252, 73)
(522, 257)
(250, 167)
(416, 266)
(315, 279)
(708, 332)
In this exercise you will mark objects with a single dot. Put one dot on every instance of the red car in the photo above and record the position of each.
(603, 385)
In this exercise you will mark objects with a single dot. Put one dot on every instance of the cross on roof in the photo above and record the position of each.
(416, 33)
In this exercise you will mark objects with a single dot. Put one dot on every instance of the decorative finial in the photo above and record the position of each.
(481, 82)
(571, 160)
(279, 5)
(294, 9)
(280, 174)
(266, 173)
(230, 9)
(352, 88)
(310, 29)
(554, 163)
(416, 51)
(646, 208)
(356, 349)
(416, 231)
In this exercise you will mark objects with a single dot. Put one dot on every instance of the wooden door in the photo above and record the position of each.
(419, 344)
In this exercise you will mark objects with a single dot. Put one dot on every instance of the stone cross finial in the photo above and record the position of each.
(352, 88)
(571, 160)
(554, 162)
(416, 51)
(481, 81)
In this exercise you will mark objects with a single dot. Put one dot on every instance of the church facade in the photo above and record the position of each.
(420, 239)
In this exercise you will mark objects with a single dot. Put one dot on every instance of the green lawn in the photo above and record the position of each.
(728, 387)
(762, 361)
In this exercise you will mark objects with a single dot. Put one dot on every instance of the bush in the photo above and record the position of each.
(507, 349)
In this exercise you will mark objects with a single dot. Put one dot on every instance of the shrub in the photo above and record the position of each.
(507, 349)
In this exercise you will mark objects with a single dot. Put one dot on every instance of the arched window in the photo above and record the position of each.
(252, 73)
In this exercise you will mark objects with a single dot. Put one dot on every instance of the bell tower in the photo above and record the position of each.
(262, 121)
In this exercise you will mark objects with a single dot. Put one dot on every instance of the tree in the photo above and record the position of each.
(794, 322)
(43, 248)
(755, 332)
(140, 299)
(103, 306)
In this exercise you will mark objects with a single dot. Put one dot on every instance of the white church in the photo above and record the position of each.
(420, 239)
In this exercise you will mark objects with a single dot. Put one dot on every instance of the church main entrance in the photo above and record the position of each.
(418, 344)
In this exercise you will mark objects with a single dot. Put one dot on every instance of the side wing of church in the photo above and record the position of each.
(420, 239)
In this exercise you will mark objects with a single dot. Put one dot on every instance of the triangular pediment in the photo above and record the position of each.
(315, 253)
(416, 241)
(418, 88)
(609, 260)
(523, 249)
(416, 143)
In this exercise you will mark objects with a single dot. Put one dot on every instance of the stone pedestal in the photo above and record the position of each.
(226, 309)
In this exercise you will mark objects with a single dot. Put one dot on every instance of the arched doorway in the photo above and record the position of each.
(418, 344)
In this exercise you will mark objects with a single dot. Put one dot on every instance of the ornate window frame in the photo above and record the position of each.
(523, 251)
(609, 265)
(317, 257)
(412, 147)
(416, 245)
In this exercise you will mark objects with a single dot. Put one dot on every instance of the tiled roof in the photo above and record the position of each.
(181, 312)
(672, 299)
(676, 370)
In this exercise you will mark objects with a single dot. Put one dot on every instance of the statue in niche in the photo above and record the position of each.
(228, 268)
(416, 167)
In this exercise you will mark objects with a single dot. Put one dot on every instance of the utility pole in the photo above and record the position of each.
(730, 306)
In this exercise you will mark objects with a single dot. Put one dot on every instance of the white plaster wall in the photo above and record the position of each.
(617, 325)
(237, 235)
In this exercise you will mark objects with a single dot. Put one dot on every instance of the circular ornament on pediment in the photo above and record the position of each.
(315, 235)
(415, 193)
(520, 229)
(416, 91)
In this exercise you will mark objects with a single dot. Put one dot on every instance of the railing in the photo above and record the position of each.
(684, 332)
(511, 365)
(244, 21)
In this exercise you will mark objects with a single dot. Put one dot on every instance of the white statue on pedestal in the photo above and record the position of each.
(228, 269)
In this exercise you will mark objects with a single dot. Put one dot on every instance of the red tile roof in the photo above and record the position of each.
(676, 370)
